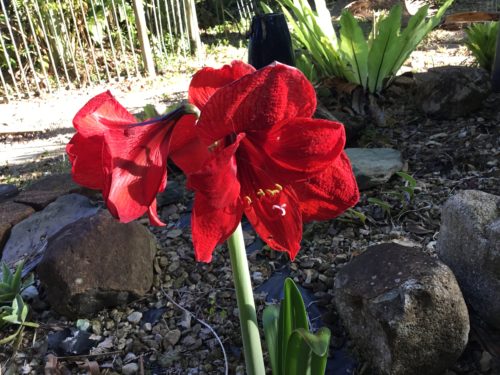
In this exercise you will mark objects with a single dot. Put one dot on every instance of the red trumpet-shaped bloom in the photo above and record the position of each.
(270, 161)
(127, 162)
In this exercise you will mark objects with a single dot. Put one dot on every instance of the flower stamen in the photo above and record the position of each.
(260, 193)
(249, 200)
(282, 208)
(214, 145)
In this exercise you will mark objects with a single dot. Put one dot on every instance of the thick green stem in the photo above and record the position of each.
(246, 305)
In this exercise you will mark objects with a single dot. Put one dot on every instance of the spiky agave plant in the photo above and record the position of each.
(481, 41)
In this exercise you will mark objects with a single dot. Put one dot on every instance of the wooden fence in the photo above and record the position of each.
(50, 44)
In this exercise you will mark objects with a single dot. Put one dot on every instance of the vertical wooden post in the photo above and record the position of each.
(193, 30)
(142, 33)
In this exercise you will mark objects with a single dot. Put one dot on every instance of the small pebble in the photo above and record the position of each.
(174, 233)
(173, 336)
(130, 369)
(135, 317)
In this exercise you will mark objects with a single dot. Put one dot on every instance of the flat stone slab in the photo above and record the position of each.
(11, 213)
(28, 236)
(41, 193)
(374, 166)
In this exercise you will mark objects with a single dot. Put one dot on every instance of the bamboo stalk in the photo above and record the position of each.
(68, 42)
(37, 47)
(9, 65)
(79, 40)
(16, 50)
(49, 49)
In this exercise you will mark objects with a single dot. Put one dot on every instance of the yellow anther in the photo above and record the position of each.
(279, 187)
(260, 193)
(249, 200)
(272, 192)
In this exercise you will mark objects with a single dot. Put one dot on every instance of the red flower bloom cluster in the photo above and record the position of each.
(255, 150)
(270, 160)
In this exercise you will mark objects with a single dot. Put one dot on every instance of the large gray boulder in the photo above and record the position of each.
(403, 310)
(469, 243)
(448, 92)
(97, 262)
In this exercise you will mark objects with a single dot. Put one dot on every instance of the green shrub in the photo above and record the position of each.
(370, 62)
(481, 41)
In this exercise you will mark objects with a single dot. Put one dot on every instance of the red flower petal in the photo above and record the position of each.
(86, 162)
(137, 171)
(278, 221)
(101, 112)
(218, 180)
(154, 219)
(212, 226)
(85, 148)
(208, 80)
(186, 149)
(303, 146)
(256, 102)
(329, 194)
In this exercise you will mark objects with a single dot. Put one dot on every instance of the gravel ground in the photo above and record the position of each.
(443, 156)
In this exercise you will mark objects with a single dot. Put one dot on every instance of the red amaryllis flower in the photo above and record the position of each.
(126, 160)
(270, 160)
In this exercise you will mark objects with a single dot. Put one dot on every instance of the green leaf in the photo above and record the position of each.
(481, 41)
(409, 179)
(307, 352)
(416, 30)
(6, 274)
(293, 315)
(384, 49)
(266, 8)
(8, 339)
(16, 279)
(354, 47)
(382, 204)
(270, 322)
